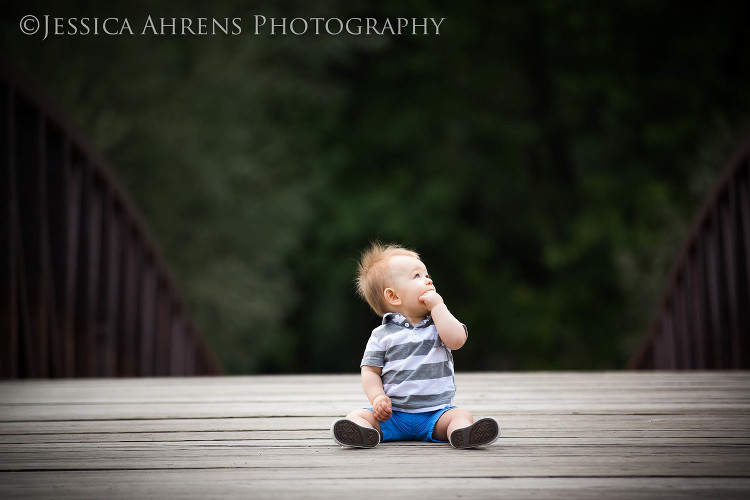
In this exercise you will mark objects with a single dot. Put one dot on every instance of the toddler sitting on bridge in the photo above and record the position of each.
(407, 368)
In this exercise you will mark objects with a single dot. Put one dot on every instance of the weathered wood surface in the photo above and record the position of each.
(578, 435)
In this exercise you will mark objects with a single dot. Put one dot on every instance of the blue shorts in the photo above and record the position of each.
(404, 426)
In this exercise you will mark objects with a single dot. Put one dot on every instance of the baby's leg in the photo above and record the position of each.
(365, 418)
(360, 429)
(453, 419)
(458, 426)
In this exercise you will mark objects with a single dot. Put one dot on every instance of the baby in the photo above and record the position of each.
(407, 368)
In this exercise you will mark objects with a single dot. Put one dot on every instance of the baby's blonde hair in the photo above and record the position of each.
(374, 273)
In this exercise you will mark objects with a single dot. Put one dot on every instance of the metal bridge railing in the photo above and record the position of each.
(703, 321)
(83, 289)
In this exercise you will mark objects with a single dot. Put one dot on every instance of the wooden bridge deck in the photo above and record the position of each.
(579, 435)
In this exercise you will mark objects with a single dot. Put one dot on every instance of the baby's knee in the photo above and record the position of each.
(361, 413)
(364, 417)
(460, 412)
(459, 416)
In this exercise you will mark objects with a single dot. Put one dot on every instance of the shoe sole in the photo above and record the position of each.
(347, 433)
(483, 432)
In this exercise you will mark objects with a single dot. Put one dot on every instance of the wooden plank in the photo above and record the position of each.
(695, 273)
(520, 424)
(682, 339)
(645, 457)
(42, 281)
(109, 289)
(471, 387)
(711, 236)
(10, 413)
(163, 328)
(74, 178)
(236, 443)
(235, 483)
(9, 334)
(391, 460)
(127, 361)
(89, 294)
(50, 150)
(190, 349)
(650, 434)
(147, 323)
(730, 239)
(743, 190)
(254, 437)
(271, 383)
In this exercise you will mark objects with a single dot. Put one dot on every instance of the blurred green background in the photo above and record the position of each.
(545, 158)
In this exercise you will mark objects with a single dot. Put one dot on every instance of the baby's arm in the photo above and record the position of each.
(373, 386)
(451, 331)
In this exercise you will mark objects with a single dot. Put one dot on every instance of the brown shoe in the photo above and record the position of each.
(481, 433)
(347, 433)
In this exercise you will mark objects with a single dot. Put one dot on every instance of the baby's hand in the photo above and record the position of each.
(431, 299)
(381, 408)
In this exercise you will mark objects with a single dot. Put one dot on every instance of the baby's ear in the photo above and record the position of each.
(391, 297)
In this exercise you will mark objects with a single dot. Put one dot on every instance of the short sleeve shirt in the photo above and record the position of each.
(417, 367)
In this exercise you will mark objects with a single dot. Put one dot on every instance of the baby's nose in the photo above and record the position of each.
(428, 280)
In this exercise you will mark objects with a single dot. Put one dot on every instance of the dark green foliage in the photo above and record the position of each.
(545, 159)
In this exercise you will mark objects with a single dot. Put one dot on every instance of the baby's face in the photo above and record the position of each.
(410, 280)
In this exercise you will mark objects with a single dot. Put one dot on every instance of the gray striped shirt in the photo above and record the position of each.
(417, 367)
